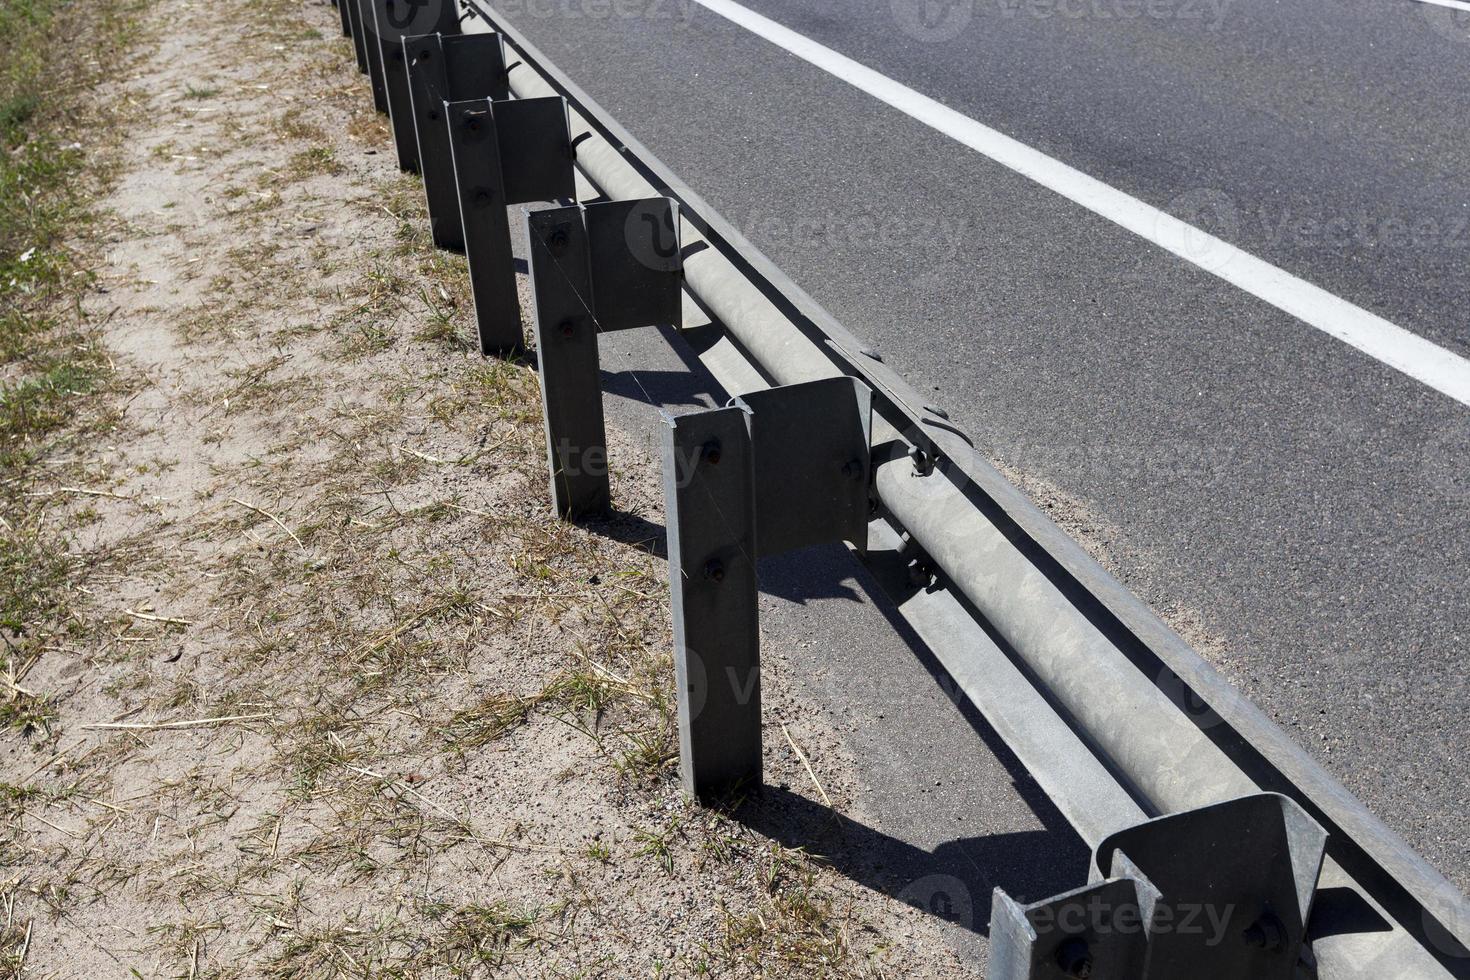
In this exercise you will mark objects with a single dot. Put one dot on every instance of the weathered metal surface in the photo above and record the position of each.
(400, 104)
(1425, 923)
(812, 447)
(1093, 931)
(1223, 892)
(386, 23)
(636, 270)
(372, 50)
(356, 32)
(442, 69)
(572, 252)
(535, 150)
(709, 493)
(566, 346)
(503, 153)
(781, 469)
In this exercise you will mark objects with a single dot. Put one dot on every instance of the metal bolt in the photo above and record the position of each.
(472, 124)
(1266, 932)
(710, 452)
(1075, 958)
(558, 241)
(482, 196)
(714, 569)
(853, 469)
(921, 573)
(568, 328)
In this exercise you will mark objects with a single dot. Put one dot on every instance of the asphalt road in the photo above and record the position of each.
(1300, 510)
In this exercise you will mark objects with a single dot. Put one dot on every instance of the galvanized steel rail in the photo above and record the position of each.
(1116, 717)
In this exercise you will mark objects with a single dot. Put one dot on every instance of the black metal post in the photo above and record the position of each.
(709, 488)
(566, 344)
(504, 153)
(372, 21)
(448, 69)
(357, 33)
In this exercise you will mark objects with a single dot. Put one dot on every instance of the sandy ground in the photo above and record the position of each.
(339, 695)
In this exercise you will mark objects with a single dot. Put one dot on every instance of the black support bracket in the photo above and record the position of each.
(504, 153)
(353, 16)
(1218, 893)
(594, 268)
(778, 470)
(372, 55)
(388, 22)
(443, 69)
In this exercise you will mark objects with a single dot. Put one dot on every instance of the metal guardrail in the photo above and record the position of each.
(1194, 802)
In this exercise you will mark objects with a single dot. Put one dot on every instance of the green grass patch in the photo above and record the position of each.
(50, 363)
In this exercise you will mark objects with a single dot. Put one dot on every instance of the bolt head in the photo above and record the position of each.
(1075, 958)
(714, 570)
(1267, 932)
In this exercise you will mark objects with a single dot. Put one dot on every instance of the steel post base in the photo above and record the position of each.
(504, 153)
(602, 267)
(1219, 893)
(444, 69)
(780, 469)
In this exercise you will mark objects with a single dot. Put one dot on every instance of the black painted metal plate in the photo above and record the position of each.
(812, 463)
(535, 149)
(636, 268)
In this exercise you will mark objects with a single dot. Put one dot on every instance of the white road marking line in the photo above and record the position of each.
(1387, 342)
(1455, 4)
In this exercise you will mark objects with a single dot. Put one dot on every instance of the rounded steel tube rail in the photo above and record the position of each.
(1160, 753)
